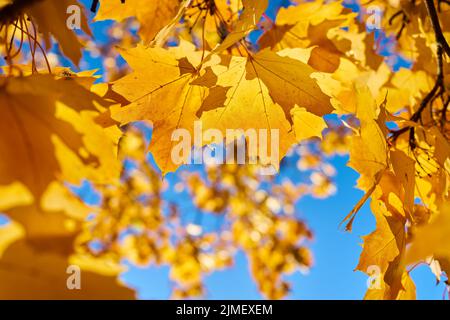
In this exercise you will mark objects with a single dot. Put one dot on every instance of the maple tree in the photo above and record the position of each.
(198, 60)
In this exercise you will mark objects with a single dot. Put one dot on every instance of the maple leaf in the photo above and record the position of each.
(52, 222)
(241, 78)
(432, 239)
(368, 150)
(408, 291)
(269, 85)
(385, 244)
(14, 195)
(306, 124)
(328, 26)
(384, 249)
(310, 24)
(404, 168)
(35, 129)
(169, 101)
(290, 81)
(250, 16)
(45, 234)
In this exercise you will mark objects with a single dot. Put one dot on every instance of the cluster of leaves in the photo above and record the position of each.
(193, 60)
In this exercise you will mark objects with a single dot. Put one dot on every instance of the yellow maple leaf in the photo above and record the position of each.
(34, 129)
(48, 276)
(57, 215)
(168, 100)
(14, 195)
(405, 172)
(408, 291)
(269, 86)
(251, 79)
(250, 16)
(432, 239)
(385, 244)
(307, 125)
(368, 153)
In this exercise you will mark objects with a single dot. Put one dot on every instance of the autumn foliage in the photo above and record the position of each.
(326, 77)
